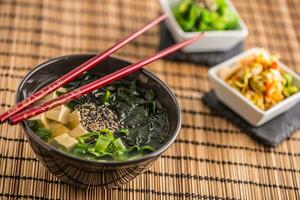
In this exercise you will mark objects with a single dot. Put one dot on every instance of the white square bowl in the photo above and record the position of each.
(240, 104)
(213, 40)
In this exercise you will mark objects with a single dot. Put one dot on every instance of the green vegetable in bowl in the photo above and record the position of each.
(104, 145)
(205, 15)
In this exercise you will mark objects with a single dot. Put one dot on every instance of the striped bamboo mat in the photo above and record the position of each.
(210, 159)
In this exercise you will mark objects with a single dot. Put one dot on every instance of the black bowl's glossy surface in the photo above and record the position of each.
(82, 172)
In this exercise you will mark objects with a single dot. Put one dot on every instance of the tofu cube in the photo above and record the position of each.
(66, 140)
(53, 125)
(60, 129)
(45, 121)
(74, 119)
(64, 114)
(60, 114)
(78, 131)
(53, 113)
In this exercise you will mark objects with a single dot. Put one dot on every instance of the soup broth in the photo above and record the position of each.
(121, 121)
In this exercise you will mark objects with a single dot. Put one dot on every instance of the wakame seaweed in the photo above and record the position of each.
(138, 110)
(143, 121)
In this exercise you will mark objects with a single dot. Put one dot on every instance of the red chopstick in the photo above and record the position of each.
(100, 82)
(77, 71)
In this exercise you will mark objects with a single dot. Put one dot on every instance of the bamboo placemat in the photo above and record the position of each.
(211, 157)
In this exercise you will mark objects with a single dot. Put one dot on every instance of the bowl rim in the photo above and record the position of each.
(155, 154)
(213, 75)
(241, 31)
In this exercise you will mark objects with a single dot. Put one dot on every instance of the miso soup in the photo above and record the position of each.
(121, 121)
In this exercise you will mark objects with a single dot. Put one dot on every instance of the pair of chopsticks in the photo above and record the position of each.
(15, 115)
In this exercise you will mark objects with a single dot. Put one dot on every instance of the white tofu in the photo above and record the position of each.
(43, 118)
(59, 129)
(53, 125)
(66, 140)
(74, 119)
(64, 114)
(53, 113)
(78, 131)
(60, 114)
(45, 121)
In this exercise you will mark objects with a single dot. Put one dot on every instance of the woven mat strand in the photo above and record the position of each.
(210, 159)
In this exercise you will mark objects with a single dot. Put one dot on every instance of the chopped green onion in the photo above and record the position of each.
(106, 132)
(147, 149)
(134, 148)
(118, 145)
(102, 143)
(88, 137)
(79, 151)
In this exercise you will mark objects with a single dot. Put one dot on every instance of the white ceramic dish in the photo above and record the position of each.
(240, 104)
(213, 41)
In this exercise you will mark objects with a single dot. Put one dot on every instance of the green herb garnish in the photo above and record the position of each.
(95, 145)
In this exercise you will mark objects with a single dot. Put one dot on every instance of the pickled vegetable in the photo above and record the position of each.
(260, 79)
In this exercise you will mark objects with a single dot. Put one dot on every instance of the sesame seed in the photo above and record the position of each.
(94, 117)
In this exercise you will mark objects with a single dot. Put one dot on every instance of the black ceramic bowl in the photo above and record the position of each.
(86, 173)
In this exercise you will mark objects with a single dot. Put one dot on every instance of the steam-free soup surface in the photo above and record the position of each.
(118, 122)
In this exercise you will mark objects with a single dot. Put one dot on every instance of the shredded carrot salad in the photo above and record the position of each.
(260, 80)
